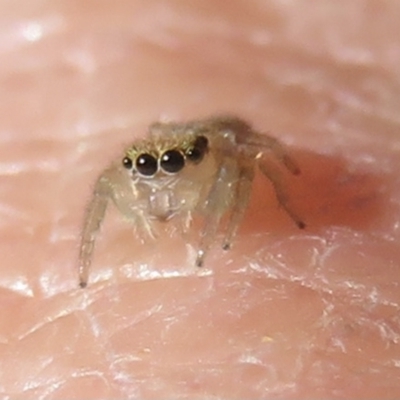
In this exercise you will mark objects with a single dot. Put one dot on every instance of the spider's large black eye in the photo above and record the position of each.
(172, 161)
(146, 164)
(197, 151)
(127, 163)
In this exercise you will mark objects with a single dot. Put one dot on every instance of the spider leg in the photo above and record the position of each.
(274, 176)
(93, 218)
(268, 142)
(215, 207)
(114, 184)
(242, 197)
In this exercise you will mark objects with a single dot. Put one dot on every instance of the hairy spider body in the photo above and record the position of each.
(205, 166)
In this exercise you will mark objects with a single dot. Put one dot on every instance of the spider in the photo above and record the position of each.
(204, 166)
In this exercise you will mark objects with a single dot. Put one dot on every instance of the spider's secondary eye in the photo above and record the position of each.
(127, 163)
(172, 161)
(146, 164)
(196, 153)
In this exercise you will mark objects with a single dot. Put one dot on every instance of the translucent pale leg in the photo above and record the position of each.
(215, 207)
(274, 176)
(267, 142)
(280, 153)
(242, 197)
(92, 222)
(116, 186)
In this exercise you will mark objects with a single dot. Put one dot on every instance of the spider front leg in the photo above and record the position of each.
(116, 185)
(93, 218)
(217, 202)
(241, 201)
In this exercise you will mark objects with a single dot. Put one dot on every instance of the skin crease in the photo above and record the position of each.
(286, 313)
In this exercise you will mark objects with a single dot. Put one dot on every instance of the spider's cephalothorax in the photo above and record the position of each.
(204, 166)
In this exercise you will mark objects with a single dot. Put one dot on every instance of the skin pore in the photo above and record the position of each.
(285, 313)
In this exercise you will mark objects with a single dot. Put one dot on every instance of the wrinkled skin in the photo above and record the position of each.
(285, 313)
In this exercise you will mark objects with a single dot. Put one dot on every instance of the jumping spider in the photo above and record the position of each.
(205, 166)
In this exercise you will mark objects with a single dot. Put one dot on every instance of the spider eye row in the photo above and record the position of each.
(171, 161)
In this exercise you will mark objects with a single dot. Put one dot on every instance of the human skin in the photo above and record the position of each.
(285, 313)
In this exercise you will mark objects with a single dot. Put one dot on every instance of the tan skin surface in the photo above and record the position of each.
(286, 313)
